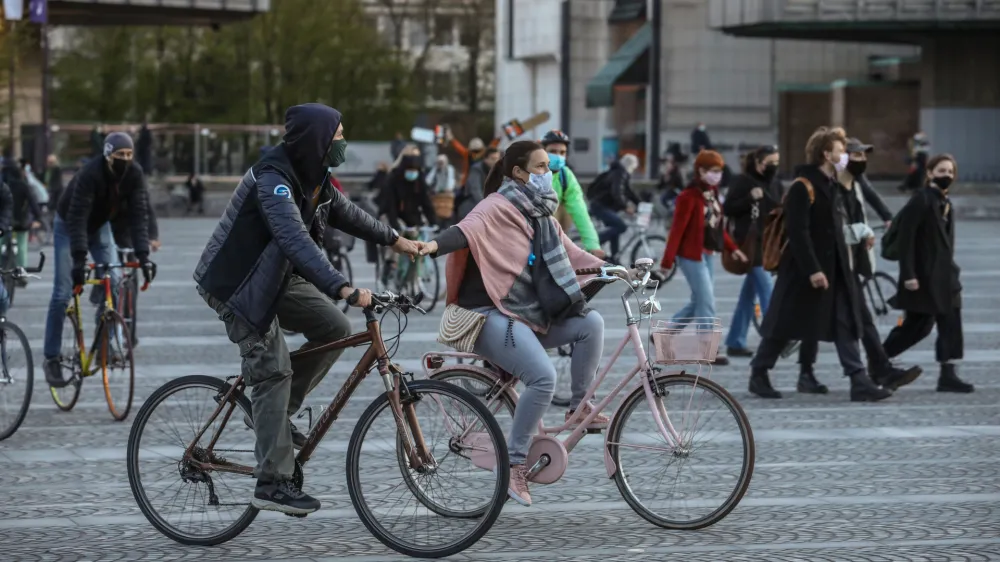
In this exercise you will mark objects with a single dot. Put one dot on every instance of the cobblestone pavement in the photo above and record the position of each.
(916, 477)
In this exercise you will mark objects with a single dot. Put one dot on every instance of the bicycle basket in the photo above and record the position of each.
(687, 340)
(644, 214)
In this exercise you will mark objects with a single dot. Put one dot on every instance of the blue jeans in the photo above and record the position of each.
(614, 226)
(700, 278)
(756, 283)
(102, 250)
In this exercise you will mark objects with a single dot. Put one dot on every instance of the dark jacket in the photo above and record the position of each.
(927, 253)
(144, 149)
(196, 190)
(24, 206)
(873, 198)
(739, 207)
(815, 243)
(94, 197)
(6, 206)
(407, 200)
(54, 181)
(472, 192)
(271, 226)
(120, 228)
(613, 189)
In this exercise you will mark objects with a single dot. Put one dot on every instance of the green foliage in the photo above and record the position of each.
(301, 51)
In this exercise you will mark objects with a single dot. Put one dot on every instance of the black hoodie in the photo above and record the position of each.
(272, 226)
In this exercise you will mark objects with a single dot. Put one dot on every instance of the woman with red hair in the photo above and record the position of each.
(696, 235)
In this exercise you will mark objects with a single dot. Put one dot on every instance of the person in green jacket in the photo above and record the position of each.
(571, 199)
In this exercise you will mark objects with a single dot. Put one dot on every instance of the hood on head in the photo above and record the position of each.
(309, 130)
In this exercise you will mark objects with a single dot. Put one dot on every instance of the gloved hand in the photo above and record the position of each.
(148, 271)
(79, 273)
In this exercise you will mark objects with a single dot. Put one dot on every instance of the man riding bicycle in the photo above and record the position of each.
(264, 268)
(568, 190)
(106, 190)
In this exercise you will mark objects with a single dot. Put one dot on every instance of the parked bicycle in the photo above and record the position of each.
(666, 431)
(209, 472)
(111, 350)
(17, 366)
(418, 279)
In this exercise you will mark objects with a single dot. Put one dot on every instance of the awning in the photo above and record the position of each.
(627, 10)
(629, 65)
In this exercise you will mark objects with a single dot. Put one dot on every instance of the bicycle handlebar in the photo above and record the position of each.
(388, 299)
(19, 272)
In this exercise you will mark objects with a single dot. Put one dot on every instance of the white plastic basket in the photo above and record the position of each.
(644, 214)
(687, 340)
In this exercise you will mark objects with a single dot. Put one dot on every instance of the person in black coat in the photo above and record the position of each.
(752, 197)
(53, 181)
(816, 296)
(929, 289)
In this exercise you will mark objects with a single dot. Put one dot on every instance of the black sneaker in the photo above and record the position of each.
(760, 384)
(283, 497)
(739, 352)
(54, 375)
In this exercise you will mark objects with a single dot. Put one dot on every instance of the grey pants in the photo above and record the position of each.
(526, 359)
(279, 383)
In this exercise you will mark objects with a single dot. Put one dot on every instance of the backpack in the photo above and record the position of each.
(775, 238)
(890, 241)
(595, 188)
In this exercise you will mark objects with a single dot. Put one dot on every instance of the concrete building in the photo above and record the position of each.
(587, 63)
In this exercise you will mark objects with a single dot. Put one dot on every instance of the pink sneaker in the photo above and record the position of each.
(600, 420)
(518, 487)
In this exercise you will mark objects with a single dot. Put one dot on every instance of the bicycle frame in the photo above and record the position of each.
(414, 446)
(74, 308)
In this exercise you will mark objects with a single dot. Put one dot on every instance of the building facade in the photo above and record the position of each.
(586, 62)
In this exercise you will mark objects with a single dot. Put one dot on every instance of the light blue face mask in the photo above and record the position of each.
(411, 175)
(556, 162)
(541, 182)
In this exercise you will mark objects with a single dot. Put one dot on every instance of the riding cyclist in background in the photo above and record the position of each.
(572, 202)
(106, 190)
(610, 193)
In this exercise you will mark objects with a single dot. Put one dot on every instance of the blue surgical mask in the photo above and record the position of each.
(556, 162)
(541, 182)
(411, 175)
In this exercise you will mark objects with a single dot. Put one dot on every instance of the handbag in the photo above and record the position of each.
(460, 328)
(748, 247)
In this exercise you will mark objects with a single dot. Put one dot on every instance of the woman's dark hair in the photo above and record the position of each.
(754, 157)
(517, 154)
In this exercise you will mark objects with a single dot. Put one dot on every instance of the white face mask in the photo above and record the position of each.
(712, 178)
(541, 182)
(841, 164)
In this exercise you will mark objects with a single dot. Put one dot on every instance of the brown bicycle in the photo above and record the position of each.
(190, 465)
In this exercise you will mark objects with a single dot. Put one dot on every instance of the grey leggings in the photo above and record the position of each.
(527, 360)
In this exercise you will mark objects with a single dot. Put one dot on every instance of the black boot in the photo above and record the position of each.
(808, 383)
(864, 390)
(892, 378)
(949, 381)
(760, 384)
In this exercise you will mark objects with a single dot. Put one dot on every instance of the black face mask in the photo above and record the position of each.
(943, 182)
(119, 167)
(770, 170)
(856, 167)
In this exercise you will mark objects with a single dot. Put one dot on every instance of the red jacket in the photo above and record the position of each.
(687, 233)
(335, 183)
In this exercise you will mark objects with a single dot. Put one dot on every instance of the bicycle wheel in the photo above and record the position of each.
(878, 290)
(430, 283)
(564, 379)
(69, 359)
(653, 246)
(9, 261)
(127, 294)
(483, 387)
(117, 364)
(165, 426)
(728, 463)
(479, 498)
(17, 373)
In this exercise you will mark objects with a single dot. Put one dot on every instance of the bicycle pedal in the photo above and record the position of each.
(594, 431)
(297, 515)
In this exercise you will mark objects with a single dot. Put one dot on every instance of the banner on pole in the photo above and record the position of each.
(39, 11)
(13, 9)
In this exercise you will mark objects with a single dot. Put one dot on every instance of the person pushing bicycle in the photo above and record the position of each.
(107, 189)
(264, 269)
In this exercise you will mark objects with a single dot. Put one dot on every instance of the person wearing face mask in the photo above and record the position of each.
(472, 191)
(751, 198)
(816, 296)
(510, 260)
(572, 202)
(696, 236)
(409, 195)
(861, 239)
(611, 193)
(264, 268)
(107, 189)
(929, 291)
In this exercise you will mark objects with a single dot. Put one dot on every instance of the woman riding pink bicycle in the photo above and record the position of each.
(511, 262)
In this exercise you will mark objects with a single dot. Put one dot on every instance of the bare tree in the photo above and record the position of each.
(421, 13)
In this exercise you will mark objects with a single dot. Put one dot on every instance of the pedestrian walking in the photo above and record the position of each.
(815, 296)
(929, 290)
(751, 198)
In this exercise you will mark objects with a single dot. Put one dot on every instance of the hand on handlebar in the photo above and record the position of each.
(360, 298)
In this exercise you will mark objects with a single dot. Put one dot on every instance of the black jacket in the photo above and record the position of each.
(271, 226)
(120, 228)
(815, 243)
(613, 189)
(94, 197)
(54, 180)
(24, 207)
(927, 253)
(6, 206)
(407, 200)
(739, 207)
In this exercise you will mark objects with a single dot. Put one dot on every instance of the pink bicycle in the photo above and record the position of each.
(651, 439)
